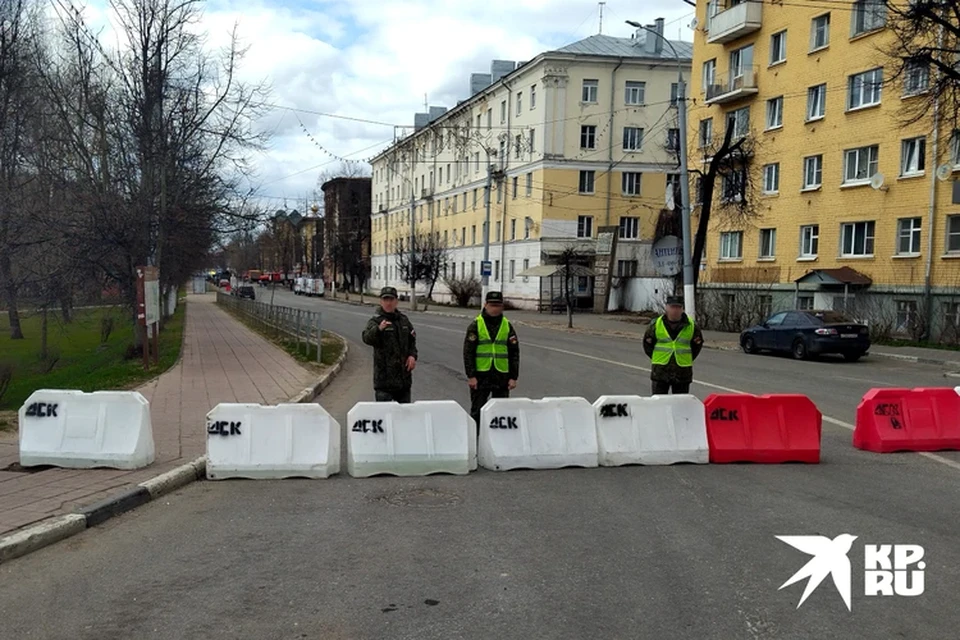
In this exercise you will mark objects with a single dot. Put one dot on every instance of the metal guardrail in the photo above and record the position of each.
(304, 326)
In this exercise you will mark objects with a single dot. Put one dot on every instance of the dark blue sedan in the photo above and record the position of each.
(808, 333)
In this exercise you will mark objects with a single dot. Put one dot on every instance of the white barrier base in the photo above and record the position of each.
(77, 430)
(657, 430)
(260, 442)
(552, 433)
(416, 439)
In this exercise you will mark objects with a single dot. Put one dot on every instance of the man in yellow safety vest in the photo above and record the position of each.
(672, 342)
(491, 355)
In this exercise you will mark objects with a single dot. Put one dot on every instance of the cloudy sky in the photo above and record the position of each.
(375, 59)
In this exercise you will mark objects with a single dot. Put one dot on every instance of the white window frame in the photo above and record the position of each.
(953, 234)
(848, 231)
(709, 74)
(955, 148)
(771, 178)
(909, 236)
(812, 172)
(512, 270)
(767, 249)
(588, 133)
(634, 92)
(865, 89)
(629, 228)
(778, 47)
(632, 139)
(589, 91)
(705, 133)
(809, 241)
(820, 24)
(533, 140)
(526, 265)
(673, 140)
(533, 97)
(731, 245)
(741, 120)
(775, 113)
(529, 184)
(584, 226)
(913, 153)
(867, 16)
(872, 155)
(816, 102)
(503, 112)
(587, 184)
(630, 183)
(519, 102)
(916, 79)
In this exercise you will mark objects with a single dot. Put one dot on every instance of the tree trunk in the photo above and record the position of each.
(44, 352)
(10, 296)
(66, 308)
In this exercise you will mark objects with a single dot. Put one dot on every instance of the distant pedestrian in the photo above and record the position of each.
(394, 343)
(672, 342)
(491, 355)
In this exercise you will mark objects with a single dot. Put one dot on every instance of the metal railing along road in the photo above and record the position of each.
(306, 327)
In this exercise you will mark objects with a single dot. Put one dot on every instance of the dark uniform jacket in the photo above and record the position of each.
(491, 379)
(391, 348)
(671, 372)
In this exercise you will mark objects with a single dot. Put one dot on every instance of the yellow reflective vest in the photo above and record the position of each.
(492, 352)
(679, 348)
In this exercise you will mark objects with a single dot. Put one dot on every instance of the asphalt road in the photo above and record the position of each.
(638, 552)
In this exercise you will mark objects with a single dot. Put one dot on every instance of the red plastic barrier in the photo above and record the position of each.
(924, 419)
(769, 429)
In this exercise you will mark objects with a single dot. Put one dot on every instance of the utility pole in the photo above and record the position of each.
(689, 291)
(486, 234)
(413, 267)
(601, 17)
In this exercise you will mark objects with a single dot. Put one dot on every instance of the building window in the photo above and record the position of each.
(868, 15)
(464, 200)
(809, 240)
(864, 89)
(588, 136)
(489, 118)
(775, 113)
(634, 92)
(766, 305)
(463, 235)
(526, 265)
(517, 145)
(584, 226)
(533, 139)
(516, 185)
(496, 271)
(476, 194)
(805, 303)
(856, 239)
(731, 245)
(953, 234)
(589, 92)
(709, 74)
(912, 154)
(503, 112)
(705, 136)
(533, 97)
(820, 32)
(812, 172)
(476, 161)
(673, 139)
(473, 269)
(771, 178)
(499, 228)
(860, 164)
(674, 94)
(630, 183)
(513, 229)
(519, 102)
(768, 243)
(816, 102)
(955, 148)
(473, 235)
(733, 186)
(499, 192)
(513, 270)
(629, 227)
(529, 184)
(446, 238)
(908, 236)
(632, 138)
(627, 268)
(739, 121)
(673, 187)
(586, 181)
(907, 317)
(741, 61)
(778, 47)
(916, 78)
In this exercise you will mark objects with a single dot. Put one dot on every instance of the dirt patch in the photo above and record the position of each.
(8, 423)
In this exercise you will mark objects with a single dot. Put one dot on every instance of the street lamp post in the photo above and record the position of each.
(689, 292)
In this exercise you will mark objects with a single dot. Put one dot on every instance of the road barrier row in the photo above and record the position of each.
(112, 429)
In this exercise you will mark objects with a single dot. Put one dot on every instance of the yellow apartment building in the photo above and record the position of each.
(574, 140)
(850, 208)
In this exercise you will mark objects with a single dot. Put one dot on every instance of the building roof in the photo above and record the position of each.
(841, 275)
(601, 45)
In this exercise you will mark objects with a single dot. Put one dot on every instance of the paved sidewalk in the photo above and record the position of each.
(222, 361)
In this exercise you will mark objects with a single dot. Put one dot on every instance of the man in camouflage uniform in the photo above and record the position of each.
(491, 355)
(394, 343)
(672, 342)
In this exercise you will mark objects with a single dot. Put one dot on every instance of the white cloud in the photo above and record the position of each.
(375, 60)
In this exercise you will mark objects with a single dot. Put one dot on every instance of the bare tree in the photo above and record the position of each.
(573, 261)
(425, 263)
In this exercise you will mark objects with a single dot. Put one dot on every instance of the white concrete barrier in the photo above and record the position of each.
(414, 439)
(657, 430)
(272, 442)
(519, 433)
(78, 430)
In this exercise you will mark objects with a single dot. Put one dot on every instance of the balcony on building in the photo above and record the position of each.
(726, 25)
(732, 87)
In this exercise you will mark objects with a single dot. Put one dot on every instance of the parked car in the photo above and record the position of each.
(246, 291)
(808, 333)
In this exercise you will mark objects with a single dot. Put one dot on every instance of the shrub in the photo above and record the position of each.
(463, 290)
(6, 376)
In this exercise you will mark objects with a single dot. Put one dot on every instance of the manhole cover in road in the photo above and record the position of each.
(423, 498)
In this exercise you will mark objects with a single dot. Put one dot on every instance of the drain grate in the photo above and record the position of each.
(422, 498)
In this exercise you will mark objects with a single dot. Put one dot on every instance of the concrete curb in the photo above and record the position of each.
(57, 528)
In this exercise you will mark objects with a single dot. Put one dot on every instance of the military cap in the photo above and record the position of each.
(495, 296)
(677, 300)
(388, 292)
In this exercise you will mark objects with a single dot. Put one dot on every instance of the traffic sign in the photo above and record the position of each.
(486, 268)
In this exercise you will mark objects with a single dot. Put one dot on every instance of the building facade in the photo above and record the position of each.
(346, 232)
(574, 140)
(840, 205)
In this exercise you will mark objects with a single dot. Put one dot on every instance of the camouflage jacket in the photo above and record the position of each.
(493, 378)
(671, 372)
(391, 348)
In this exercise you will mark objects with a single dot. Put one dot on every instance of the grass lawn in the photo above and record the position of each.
(307, 355)
(84, 363)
